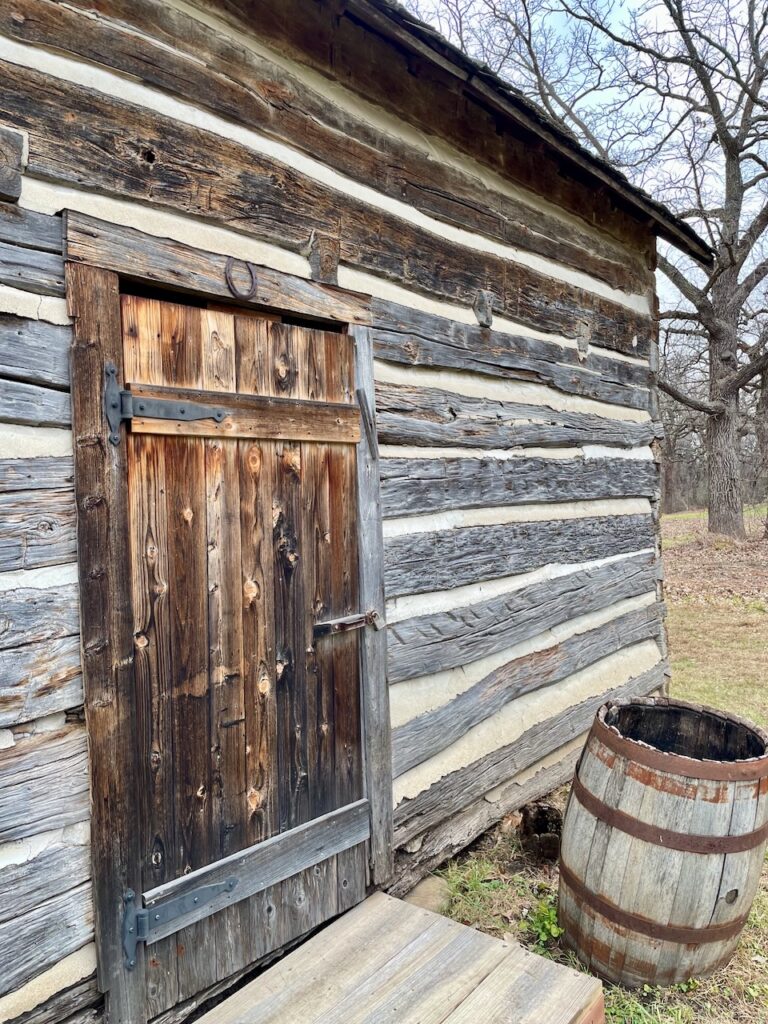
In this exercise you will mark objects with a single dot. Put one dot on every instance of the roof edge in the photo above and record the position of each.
(393, 20)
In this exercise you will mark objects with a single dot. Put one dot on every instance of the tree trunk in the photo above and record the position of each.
(761, 432)
(726, 508)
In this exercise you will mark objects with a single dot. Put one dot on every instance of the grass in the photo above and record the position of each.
(718, 638)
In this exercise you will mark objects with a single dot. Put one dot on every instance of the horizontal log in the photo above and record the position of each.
(28, 229)
(248, 416)
(44, 783)
(420, 486)
(35, 941)
(11, 163)
(459, 788)
(31, 270)
(43, 473)
(428, 734)
(59, 867)
(433, 642)
(432, 417)
(132, 151)
(173, 51)
(34, 351)
(420, 562)
(32, 616)
(70, 1006)
(133, 254)
(40, 679)
(411, 337)
(450, 837)
(33, 404)
(37, 528)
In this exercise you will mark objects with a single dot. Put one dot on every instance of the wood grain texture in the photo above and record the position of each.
(429, 733)
(419, 486)
(31, 615)
(377, 729)
(31, 270)
(29, 229)
(410, 255)
(430, 643)
(44, 783)
(440, 560)
(37, 528)
(405, 335)
(459, 788)
(106, 627)
(11, 159)
(41, 473)
(204, 66)
(40, 679)
(411, 415)
(35, 941)
(34, 351)
(80, 1003)
(29, 403)
(168, 263)
(28, 885)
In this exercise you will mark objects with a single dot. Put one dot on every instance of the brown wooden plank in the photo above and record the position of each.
(250, 417)
(225, 625)
(257, 468)
(100, 472)
(11, 163)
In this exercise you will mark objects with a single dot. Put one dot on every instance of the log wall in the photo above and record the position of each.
(519, 486)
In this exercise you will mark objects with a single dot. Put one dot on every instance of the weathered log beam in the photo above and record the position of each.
(420, 486)
(26, 885)
(453, 835)
(132, 151)
(175, 52)
(460, 788)
(428, 734)
(440, 640)
(42, 473)
(30, 403)
(31, 269)
(40, 679)
(411, 415)
(420, 562)
(11, 158)
(78, 1004)
(28, 229)
(37, 528)
(33, 942)
(410, 336)
(34, 351)
(44, 783)
(32, 616)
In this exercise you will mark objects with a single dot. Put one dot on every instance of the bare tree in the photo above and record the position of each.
(675, 93)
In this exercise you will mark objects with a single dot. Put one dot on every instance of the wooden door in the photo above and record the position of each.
(242, 529)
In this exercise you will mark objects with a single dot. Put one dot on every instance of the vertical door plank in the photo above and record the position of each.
(225, 626)
(142, 332)
(285, 345)
(186, 507)
(376, 720)
(107, 641)
(257, 460)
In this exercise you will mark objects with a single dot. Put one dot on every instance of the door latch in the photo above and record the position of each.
(349, 622)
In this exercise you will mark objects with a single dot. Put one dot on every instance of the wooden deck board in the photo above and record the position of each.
(389, 962)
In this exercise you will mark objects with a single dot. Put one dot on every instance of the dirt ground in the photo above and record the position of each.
(717, 600)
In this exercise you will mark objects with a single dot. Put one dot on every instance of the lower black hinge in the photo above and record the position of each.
(142, 924)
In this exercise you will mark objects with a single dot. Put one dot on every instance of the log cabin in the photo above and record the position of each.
(329, 476)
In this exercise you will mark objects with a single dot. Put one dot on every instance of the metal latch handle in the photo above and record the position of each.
(349, 622)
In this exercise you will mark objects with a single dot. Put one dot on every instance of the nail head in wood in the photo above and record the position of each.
(483, 307)
(11, 164)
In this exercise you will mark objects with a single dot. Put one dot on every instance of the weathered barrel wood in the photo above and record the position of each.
(662, 853)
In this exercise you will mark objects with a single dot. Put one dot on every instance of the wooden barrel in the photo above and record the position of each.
(663, 840)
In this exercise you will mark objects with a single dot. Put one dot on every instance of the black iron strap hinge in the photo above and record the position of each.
(142, 924)
(122, 405)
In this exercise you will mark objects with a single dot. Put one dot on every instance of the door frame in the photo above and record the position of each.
(99, 256)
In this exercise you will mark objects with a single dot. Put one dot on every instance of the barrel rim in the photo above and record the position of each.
(746, 770)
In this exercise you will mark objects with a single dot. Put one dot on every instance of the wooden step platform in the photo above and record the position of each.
(389, 962)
